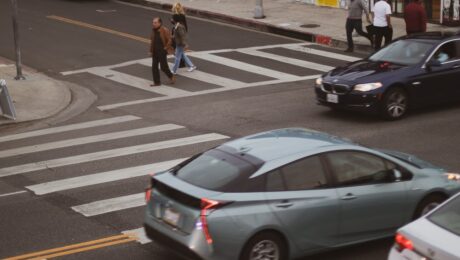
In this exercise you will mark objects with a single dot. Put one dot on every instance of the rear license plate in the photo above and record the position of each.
(331, 98)
(171, 217)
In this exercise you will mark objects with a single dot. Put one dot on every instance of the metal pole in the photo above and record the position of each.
(14, 5)
(259, 10)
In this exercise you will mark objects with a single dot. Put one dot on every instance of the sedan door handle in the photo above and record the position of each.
(349, 196)
(284, 204)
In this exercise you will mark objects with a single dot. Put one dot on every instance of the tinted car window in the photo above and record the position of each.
(275, 181)
(405, 52)
(448, 216)
(448, 52)
(358, 168)
(301, 175)
(219, 171)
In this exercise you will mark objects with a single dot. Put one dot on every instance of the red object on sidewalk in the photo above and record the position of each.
(321, 39)
(415, 17)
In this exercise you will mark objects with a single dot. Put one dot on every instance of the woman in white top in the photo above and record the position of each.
(382, 23)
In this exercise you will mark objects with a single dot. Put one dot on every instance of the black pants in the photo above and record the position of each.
(160, 59)
(380, 33)
(354, 24)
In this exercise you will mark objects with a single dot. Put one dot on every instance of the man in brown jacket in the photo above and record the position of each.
(160, 47)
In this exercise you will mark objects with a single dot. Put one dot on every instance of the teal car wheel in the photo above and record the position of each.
(265, 246)
(429, 204)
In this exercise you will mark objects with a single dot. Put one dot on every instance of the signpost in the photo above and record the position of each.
(19, 76)
(6, 105)
(259, 10)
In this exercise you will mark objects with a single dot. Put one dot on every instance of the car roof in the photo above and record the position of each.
(275, 144)
(435, 36)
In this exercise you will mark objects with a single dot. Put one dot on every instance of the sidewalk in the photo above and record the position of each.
(37, 97)
(284, 17)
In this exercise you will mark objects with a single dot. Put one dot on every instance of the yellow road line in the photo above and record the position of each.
(83, 249)
(99, 28)
(75, 248)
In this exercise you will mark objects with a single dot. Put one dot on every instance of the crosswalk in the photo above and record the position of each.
(220, 83)
(77, 182)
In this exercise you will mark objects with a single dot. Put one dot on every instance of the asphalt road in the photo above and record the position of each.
(61, 36)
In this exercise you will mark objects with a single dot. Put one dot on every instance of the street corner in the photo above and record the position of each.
(36, 97)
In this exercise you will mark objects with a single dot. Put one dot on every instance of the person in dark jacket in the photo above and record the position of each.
(355, 22)
(415, 17)
(180, 37)
(160, 47)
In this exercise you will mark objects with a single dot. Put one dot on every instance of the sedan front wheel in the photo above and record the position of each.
(395, 104)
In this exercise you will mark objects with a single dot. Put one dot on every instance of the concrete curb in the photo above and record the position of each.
(257, 25)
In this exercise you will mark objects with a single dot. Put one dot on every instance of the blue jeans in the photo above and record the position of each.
(180, 54)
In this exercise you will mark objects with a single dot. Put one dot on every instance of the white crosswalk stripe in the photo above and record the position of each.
(222, 83)
(88, 140)
(140, 234)
(72, 127)
(104, 177)
(306, 49)
(242, 65)
(89, 157)
(110, 205)
(300, 63)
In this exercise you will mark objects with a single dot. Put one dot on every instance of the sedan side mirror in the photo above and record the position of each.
(433, 63)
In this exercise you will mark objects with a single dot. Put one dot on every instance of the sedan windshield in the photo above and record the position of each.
(448, 216)
(405, 52)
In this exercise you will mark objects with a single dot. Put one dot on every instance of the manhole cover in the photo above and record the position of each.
(309, 25)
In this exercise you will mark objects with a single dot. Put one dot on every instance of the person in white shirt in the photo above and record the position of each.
(382, 23)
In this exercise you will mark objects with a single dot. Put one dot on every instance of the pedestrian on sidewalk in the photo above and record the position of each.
(382, 23)
(415, 17)
(160, 47)
(355, 22)
(178, 13)
(180, 36)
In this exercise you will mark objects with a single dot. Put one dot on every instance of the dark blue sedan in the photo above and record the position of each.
(413, 71)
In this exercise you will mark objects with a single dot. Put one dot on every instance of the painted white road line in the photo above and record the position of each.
(321, 53)
(296, 62)
(243, 66)
(66, 128)
(12, 193)
(72, 160)
(257, 47)
(110, 205)
(88, 140)
(136, 82)
(205, 77)
(104, 177)
(204, 92)
(140, 234)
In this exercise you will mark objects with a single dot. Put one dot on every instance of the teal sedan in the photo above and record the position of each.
(288, 193)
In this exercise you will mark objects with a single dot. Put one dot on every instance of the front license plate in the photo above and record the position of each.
(171, 217)
(331, 98)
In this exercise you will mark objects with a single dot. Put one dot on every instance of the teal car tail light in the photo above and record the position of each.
(206, 206)
(403, 243)
(148, 190)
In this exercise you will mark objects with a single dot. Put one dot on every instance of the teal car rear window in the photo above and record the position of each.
(448, 216)
(220, 171)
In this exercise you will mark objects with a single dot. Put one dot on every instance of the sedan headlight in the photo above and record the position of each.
(368, 86)
(452, 176)
(319, 81)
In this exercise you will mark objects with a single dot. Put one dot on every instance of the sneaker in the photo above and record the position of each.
(191, 69)
(172, 80)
